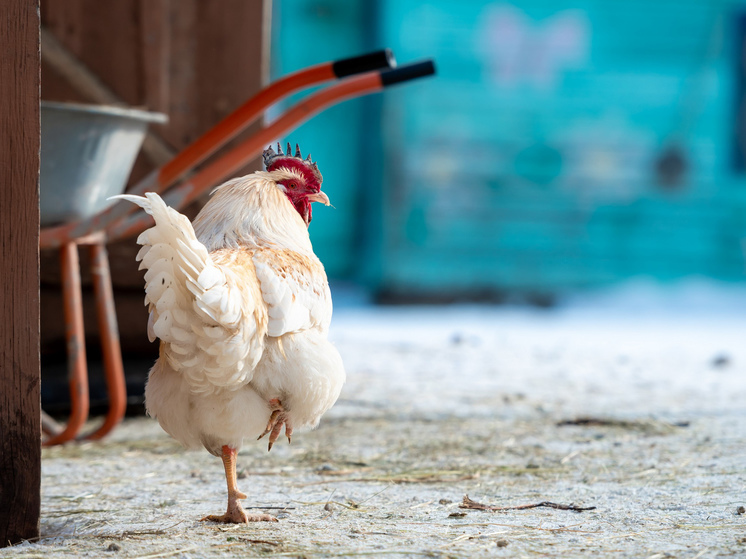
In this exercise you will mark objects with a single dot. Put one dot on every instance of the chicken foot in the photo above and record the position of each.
(277, 419)
(235, 513)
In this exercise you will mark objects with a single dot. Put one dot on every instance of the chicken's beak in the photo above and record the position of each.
(319, 197)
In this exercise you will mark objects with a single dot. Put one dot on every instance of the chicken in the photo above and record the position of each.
(242, 307)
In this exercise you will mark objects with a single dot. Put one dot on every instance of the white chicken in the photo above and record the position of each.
(242, 306)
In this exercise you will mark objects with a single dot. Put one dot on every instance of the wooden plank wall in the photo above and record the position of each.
(20, 429)
(194, 60)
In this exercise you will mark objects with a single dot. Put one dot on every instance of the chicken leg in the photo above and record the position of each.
(235, 513)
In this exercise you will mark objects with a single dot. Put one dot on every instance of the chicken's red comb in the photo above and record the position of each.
(274, 160)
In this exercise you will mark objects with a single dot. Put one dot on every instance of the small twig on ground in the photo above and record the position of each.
(621, 423)
(597, 422)
(349, 506)
(374, 495)
(135, 533)
(416, 478)
(260, 542)
(58, 514)
(470, 504)
(268, 508)
(167, 553)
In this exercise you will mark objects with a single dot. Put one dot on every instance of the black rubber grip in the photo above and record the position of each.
(364, 63)
(408, 72)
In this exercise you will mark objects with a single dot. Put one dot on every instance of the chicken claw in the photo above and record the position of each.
(277, 419)
(236, 515)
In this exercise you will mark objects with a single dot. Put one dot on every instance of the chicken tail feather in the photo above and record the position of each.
(192, 302)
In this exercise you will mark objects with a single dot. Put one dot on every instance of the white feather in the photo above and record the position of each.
(189, 295)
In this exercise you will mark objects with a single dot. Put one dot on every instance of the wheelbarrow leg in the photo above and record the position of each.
(75, 336)
(49, 426)
(109, 333)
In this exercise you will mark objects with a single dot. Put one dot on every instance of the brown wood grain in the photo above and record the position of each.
(155, 30)
(230, 48)
(20, 409)
(105, 36)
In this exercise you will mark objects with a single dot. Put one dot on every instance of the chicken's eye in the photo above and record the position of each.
(292, 185)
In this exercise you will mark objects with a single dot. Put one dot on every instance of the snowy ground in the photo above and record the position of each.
(445, 402)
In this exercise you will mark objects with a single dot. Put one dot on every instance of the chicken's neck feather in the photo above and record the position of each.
(251, 211)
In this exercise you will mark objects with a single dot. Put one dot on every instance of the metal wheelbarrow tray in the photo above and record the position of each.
(87, 153)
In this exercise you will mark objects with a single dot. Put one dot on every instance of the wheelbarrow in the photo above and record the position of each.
(357, 76)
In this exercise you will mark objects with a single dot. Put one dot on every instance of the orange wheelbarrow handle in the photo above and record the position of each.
(237, 157)
(161, 178)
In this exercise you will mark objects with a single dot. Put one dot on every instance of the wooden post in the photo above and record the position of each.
(20, 405)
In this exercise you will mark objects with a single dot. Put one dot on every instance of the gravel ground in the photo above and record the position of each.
(637, 412)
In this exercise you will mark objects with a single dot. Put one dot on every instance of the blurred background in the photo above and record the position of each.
(563, 146)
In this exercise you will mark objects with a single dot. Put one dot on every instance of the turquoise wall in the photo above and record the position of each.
(530, 163)
(304, 33)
